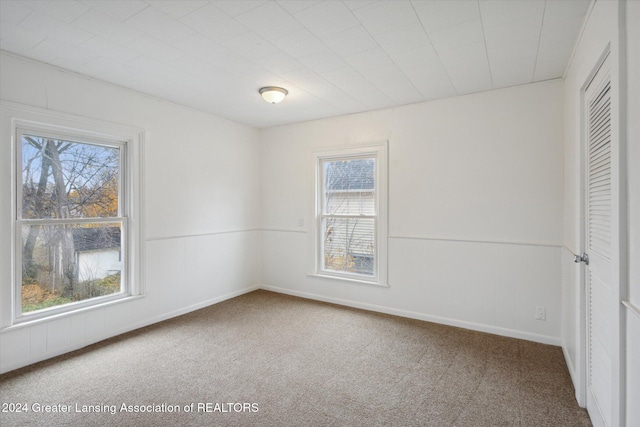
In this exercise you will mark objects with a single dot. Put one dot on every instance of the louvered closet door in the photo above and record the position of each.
(600, 296)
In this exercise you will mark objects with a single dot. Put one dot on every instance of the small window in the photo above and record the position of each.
(350, 235)
(74, 244)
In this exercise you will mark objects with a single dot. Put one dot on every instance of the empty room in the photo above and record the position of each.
(320, 213)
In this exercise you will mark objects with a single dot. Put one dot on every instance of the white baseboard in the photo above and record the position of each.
(574, 378)
(567, 359)
(94, 339)
(496, 330)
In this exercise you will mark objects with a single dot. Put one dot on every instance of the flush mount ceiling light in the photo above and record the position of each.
(273, 94)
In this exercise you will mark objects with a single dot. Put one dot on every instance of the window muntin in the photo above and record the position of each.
(71, 232)
(348, 215)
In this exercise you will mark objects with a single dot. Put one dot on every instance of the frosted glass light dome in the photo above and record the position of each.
(273, 94)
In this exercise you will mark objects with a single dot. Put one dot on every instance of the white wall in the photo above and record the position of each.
(633, 170)
(202, 206)
(475, 209)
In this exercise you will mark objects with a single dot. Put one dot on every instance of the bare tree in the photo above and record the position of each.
(75, 180)
(35, 195)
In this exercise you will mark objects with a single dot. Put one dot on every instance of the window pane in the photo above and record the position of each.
(64, 179)
(349, 245)
(349, 187)
(68, 263)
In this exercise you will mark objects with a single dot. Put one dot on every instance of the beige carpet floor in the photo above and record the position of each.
(265, 359)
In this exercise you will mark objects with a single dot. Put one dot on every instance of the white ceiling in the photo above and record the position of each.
(334, 57)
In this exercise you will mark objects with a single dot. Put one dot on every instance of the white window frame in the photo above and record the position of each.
(35, 121)
(379, 151)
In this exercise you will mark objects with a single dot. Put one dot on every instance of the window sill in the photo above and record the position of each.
(28, 323)
(348, 279)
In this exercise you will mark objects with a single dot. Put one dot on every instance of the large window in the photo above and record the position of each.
(74, 243)
(350, 235)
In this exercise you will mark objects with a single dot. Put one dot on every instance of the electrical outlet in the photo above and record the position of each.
(541, 313)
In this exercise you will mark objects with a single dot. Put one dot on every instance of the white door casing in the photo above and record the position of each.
(599, 239)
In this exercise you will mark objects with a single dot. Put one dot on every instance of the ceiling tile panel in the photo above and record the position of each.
(64, 10)
(383, 75)
(270, 21)
(13, 12)
(384, 16)
(357, 4)
(403, 39)
(203, 47)
(562, 20)
(77, 54)
(499, 12)
(293, 6)
(559, 29)
(511, 65)
(107, 27)
(237, 7)
(552, 59)
(214, 23)
(402, 94)
(238, 65)
(326, 18)
(467, 80)
(147, 65)
(195, 66)
(45, 55)
(178, 93)
(435, 87)
(369, 59)
(106, 69)
(52, 28)
(373, 99)
(522, 32)
(110, 50)
(466, 33)
(351, 41)
(423, 56)
(311, 82)
(391, 81)
(154, 85)
(349, 80)
(278, 63)
(257, 80)
(120, 10)
(16, 39)
(342, 101)
(250, 46)
(440, 14)
(160, 25)
(512, 59)
(420, 65)
(324, 61)
(512, 72)
(178, 8)
(464, 56)
(468, 68)
(299, 44)
(155, 49)
(566, 9)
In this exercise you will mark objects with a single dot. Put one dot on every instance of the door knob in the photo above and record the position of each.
(581, 258)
